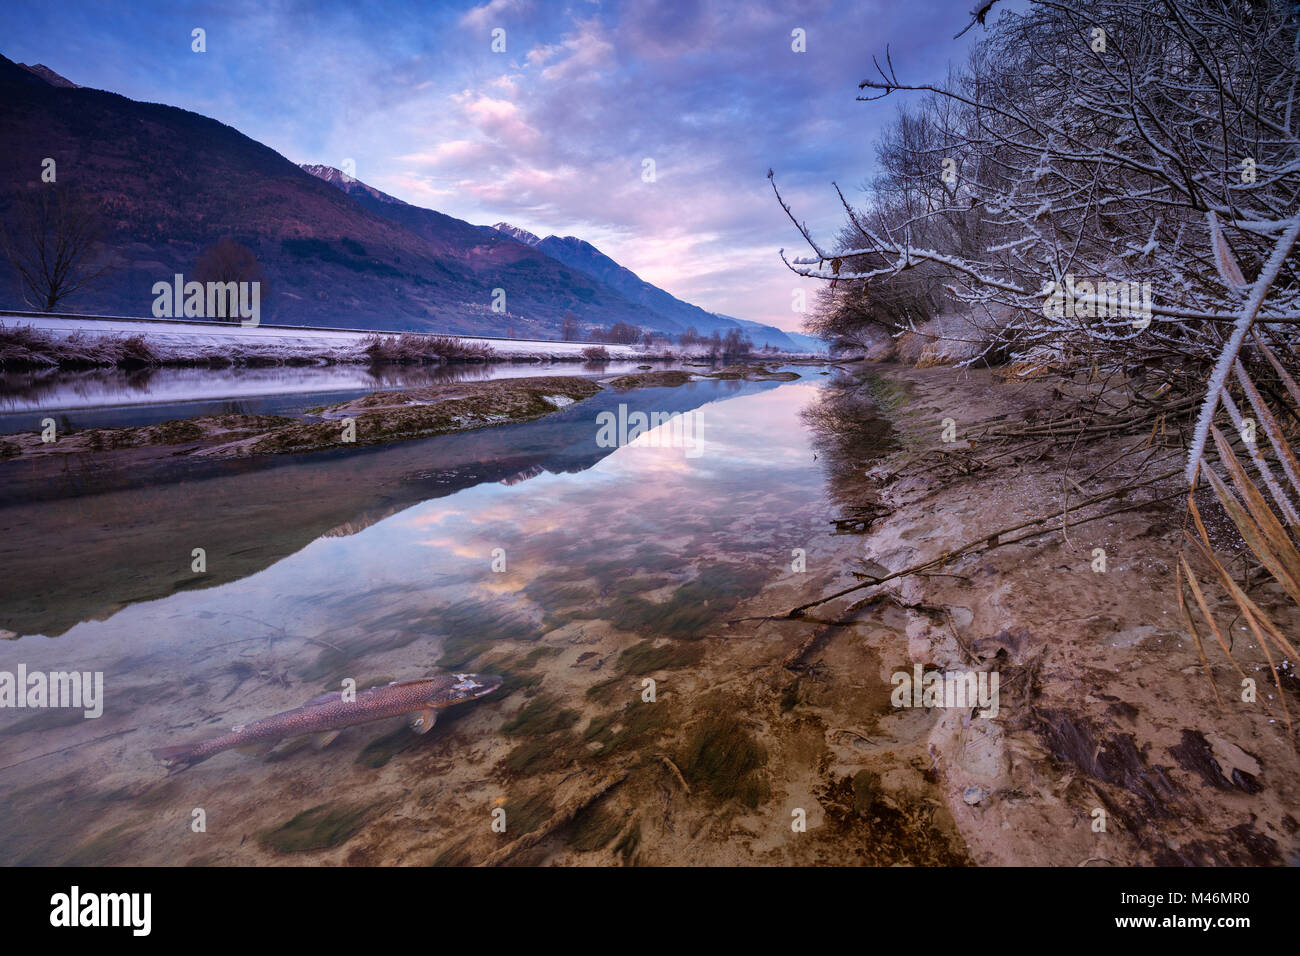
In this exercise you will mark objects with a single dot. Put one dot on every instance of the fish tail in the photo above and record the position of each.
(179, 758)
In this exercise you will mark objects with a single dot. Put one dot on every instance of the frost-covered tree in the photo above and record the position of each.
(1114, 183)
(1118, 179)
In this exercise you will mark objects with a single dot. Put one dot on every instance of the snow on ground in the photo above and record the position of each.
(198, 339)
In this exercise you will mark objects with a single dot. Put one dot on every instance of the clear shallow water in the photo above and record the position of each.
(109, 398)
(635, 549)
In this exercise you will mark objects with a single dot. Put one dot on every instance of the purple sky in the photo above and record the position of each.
(550, 135)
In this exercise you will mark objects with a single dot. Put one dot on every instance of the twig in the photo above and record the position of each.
(51, 753)
(676, 773)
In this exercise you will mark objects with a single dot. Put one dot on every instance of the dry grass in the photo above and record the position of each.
(23, 347)
(414, 348)
(1263, 532)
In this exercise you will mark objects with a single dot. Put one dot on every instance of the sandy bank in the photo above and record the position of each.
(1109, 747)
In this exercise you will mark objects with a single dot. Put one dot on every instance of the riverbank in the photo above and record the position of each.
(1108, 747)
(375, 418)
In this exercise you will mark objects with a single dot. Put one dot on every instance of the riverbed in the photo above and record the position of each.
(604, 585)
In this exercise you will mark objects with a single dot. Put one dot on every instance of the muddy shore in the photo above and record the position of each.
(1109, 747)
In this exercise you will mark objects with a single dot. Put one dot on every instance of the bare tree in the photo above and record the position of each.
(569, 331)
(1092, 144)
(52, 242)
(230, 261)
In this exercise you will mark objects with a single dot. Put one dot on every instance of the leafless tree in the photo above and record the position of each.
(1096, 143)
(52, 241)
(229, 261)
(569, 330)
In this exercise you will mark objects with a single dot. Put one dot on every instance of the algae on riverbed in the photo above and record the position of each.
(318, 828)
(723, 757)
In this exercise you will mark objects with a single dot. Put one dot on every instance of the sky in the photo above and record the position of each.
(554, 133)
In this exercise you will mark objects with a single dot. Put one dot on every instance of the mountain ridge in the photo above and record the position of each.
(169, 183)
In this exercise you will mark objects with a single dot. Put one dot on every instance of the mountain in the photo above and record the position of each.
(49, 76)
(534, 282)
(169, 183)
(794, 341)
(519, 235)
(349, 184)
(583, 256)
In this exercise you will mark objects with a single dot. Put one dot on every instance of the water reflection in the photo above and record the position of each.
(118, 397)
(382, 565)
(123, 536)
(847, 428)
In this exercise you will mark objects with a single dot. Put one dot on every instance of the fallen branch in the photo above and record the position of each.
(993, 539)
(557, 820)
(676, 773)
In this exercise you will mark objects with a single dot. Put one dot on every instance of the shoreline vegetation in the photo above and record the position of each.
(376, 418)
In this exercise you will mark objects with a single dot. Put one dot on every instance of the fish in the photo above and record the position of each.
(329, 714)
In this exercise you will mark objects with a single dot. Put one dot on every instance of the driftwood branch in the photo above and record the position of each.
(557, 820)
(992, 539)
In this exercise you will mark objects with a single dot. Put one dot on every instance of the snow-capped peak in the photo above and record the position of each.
(514, 232)
(328, 173)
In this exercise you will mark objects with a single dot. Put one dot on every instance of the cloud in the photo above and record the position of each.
(587, 54)
(455, 153)
(499, 120)
(493, 14)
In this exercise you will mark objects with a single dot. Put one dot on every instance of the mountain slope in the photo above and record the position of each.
(533, 281)
(171, 182)
(585, 257)
(794, 341)
(514, 232)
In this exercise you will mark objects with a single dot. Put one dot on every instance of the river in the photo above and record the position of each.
(576, 572)
(115, 398)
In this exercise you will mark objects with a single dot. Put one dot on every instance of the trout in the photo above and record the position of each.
(329, 714)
